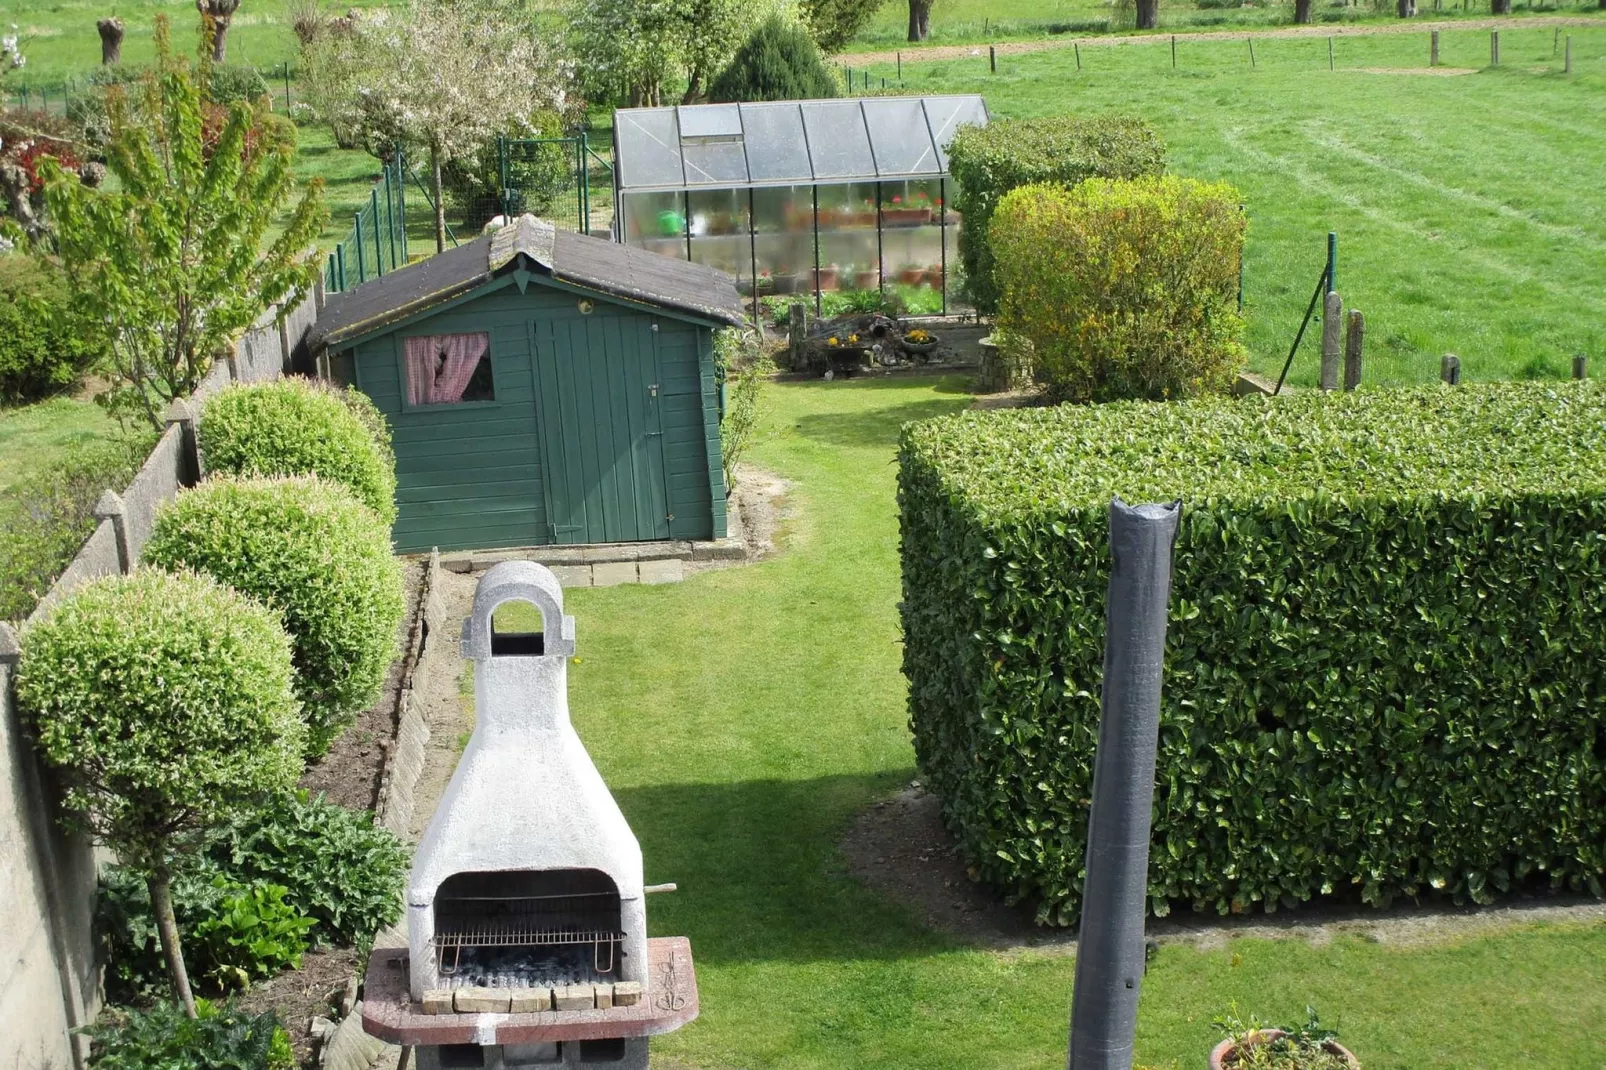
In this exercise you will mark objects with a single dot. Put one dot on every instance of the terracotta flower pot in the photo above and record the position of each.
(934, 277)
(1219, 1058)
(864, 280)
(825, 278)
(912, 276)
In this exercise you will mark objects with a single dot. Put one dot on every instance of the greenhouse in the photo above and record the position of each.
(841, 200)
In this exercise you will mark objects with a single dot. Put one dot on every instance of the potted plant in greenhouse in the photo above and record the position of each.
(864, 215)
(896, 213)
(865, 278)
(825, 277)
(934, 276)
(785, 279)
(766, 282)
(911, 274)
(1253, 1045)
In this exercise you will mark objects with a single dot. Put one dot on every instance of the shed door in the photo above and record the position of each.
(597, 390)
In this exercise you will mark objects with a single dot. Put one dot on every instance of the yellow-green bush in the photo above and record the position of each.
(1126, 289)
(294, 427)
(307, 549)
(989, 161)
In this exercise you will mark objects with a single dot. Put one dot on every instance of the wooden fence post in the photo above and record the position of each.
(1450, 369)
(1332, 339)
(1354, 340)
(1580, 367)
(992, 58)
(1494, 48)
(1433, 53)
(796, 333)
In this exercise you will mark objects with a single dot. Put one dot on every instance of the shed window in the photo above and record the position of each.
(446, 369)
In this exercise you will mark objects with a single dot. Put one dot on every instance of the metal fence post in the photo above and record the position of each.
(502, 173)
(362, 267)
(340, 263)
(1332, 260)
(373, 210)
(401, 200)
(1110, 951)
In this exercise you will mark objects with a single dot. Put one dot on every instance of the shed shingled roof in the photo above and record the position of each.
(578, 259)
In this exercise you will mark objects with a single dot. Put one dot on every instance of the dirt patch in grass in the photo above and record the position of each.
(349, 773)
(899, 848)
(300, 995)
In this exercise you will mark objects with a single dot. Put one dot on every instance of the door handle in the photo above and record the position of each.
(653, 389)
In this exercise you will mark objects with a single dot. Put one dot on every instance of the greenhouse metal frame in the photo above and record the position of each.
(798, 197)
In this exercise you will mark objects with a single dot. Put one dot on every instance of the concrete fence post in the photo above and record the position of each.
(10, 647)
(1580, 366)
(1110, 951)
(1450, 369)
(110, 507)
(1332, 340)
(1354, 340)
(182, 412)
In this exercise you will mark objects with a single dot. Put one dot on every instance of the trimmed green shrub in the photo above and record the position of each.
(336, 864)
(46, 516)
(1126, 289)
(779, 62)
(310, 551)
(293, 427)
(1386, 658)
(254, 934)
(42, 349)
(165, 1038)
(166, 701)
(989, 161)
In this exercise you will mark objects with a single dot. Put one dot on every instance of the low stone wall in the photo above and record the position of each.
(51, 984)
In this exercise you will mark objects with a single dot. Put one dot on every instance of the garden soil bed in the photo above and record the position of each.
(349, 774)
(900, 849)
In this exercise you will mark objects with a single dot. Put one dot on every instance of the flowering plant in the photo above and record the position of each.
(919, 337)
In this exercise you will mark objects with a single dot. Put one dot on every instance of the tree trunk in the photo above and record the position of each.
(111, 40)
(694, 87)
(1499, 7)
(217, 14)
(1302, 11)
(1407, 9)
(220, 29)
(1148, 14)
(167, 929)
(919, 19)
(440, 204)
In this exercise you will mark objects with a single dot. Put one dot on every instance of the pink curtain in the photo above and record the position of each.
(439, 366)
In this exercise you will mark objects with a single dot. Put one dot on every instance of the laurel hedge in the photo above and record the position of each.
(1386, 658)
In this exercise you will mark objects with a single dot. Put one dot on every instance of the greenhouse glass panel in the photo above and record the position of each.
(777, 150)
(783, 239)
(720, 235)
(655, 222)
(839, 145)
(710, 120)
(946, 115)
(911, 243)
(849, 240)
(647, 141)
(900, 138)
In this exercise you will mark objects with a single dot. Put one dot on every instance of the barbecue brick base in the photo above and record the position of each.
(668, 1001)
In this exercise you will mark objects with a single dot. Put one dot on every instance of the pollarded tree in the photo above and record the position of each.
(173, 261)
(167, 703)
(920, 19)
(448, 77)
(217, 14)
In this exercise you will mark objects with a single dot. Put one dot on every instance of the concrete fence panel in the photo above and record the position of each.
(157, 481)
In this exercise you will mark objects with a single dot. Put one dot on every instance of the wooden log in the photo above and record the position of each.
(796, 333)
(1332, 340)
(1354, 340)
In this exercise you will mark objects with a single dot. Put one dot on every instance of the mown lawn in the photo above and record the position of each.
(1467, 208)
(33, 437)
(745, 716)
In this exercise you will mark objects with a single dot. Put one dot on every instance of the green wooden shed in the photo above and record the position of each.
(542, 387)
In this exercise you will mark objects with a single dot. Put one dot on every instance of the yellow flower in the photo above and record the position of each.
(831, 340)
(853, 338)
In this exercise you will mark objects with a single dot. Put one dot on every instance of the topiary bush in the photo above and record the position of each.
(43, 350)
(1126, 289)
(165, 1038)
(779, 62)
(988, 161)
(294, 427)
(1386, 658)
(311, 552)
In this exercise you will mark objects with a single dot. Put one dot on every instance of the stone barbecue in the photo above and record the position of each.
(526, 910)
